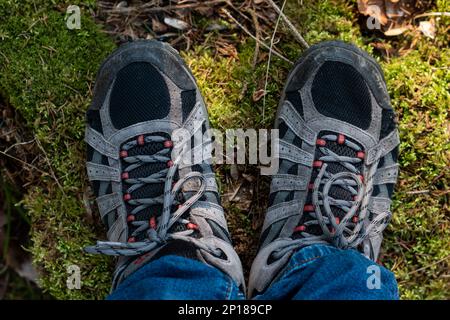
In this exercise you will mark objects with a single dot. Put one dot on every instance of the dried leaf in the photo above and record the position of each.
(249, 178)
(392, 32)
(205, 11)
(122, 4)
(428, 28)
(389, 16)
(158, 27)
(216, 27)
(257, 95)
(176, 23)
(227, 50)
(234, 171)
(373, 8)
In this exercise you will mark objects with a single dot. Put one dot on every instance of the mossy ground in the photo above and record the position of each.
(47, 74)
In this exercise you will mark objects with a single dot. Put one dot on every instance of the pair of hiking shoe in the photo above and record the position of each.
(338, 146)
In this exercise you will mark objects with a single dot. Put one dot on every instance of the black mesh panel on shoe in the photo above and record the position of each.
(296, 100)
(139, 94)
(339, 91)
(93, 119)
(387, 122)
(188, 100)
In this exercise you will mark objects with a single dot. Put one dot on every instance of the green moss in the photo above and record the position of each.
(228, 85)
(47, 73)
(419, 235)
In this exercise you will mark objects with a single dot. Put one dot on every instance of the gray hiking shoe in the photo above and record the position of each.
(338, 160)
(152, 203)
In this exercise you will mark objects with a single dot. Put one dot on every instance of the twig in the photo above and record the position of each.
(432, 14)
(17, 144)
(279, 55)
(290, 25)
(50, 166)
(236, 192)
(430, 265)
(270, 56)
(23, 162)
(258, 36)
(418, 192)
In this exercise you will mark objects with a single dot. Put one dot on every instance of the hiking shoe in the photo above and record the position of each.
(338, 166)
(151, 202)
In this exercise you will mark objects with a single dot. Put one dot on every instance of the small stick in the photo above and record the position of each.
(432, 14)
(23, 162)
(290, 25)
(268, 61)
(430, 265)
(418, 192)
(254, 38)
(233, 196)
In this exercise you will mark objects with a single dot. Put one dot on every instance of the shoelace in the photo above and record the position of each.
(352, 229)
(157, 232)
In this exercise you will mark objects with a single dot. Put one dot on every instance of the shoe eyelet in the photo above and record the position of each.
(141, 140)
(152, 222)
(321, 142)
(192, 226)
(168, 144)
(317, 164)
(123, 154)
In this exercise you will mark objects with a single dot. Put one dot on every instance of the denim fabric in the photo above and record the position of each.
(315, 272)
(323, 272)
(177, 278)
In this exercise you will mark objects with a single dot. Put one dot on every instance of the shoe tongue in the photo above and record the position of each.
(178, 248)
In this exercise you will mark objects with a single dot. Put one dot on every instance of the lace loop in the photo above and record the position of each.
(167, 219)
(348, 232)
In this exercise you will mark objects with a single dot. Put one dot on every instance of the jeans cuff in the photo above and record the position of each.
(308, 254)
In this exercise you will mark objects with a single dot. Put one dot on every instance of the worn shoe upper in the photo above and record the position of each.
(338, 160)
(152, 202)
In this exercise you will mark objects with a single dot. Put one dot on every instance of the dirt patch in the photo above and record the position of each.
(19, 158)
(185, 23)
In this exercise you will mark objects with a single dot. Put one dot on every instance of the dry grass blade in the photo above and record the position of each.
(279, 55)
(270, 56)
(289, 23)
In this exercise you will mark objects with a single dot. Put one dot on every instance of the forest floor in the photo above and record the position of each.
(47, 74)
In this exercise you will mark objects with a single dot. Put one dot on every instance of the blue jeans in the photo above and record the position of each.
(315, 272)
